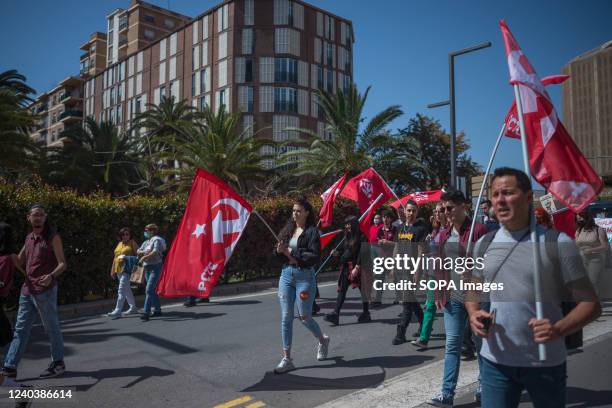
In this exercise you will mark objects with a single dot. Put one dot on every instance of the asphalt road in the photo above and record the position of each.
(222, 355)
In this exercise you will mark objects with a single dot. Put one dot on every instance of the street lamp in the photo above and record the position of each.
(451, 103)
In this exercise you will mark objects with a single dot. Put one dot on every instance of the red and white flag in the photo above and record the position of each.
(214, 219)
(329, 197)
(419, 197)
(513, 129)
(554, 159)
(365, 187)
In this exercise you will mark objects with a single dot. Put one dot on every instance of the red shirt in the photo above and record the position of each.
(40, 261)
(373, 233)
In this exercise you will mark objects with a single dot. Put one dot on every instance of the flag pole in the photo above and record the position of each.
(482, 187)
(266, 224)
(343, 238)
(532, 225)
(390, 189)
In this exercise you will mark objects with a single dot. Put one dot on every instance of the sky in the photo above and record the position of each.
(401, 51)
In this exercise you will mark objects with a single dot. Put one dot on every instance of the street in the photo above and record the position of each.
(222, 355)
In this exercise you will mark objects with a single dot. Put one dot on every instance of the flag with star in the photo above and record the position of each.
(214, 219)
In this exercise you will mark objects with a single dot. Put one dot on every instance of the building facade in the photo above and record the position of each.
(587, 106)
(59, 108)
(265, 58)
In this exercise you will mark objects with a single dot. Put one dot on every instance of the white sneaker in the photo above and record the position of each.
(323, 348)
(286, 364)
(131, 311)
(114, 314)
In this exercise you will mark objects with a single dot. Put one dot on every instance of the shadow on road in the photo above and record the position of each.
(291, 381)
(237, 302)
(141, 374)
(177, 316)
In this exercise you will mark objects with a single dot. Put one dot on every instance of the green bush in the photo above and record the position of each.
(89, 224)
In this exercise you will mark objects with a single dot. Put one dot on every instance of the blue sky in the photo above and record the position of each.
(401, 50)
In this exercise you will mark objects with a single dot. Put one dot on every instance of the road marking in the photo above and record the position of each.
(234, 403)
(257, 404)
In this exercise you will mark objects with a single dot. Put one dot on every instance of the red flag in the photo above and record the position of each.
(554, 159)
(365, 187)
(327, 238)
(215, 217)
(564, 221)
(366, 218)
(420, 197)
(513, 129)
(329, 197)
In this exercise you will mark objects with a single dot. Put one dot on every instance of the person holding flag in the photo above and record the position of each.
(299, 249)
(350, 270)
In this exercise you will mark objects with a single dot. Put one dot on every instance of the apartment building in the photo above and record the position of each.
(265, 58)
(587, 106)
(59, 108)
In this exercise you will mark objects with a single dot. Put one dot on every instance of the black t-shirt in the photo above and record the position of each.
(411, 233)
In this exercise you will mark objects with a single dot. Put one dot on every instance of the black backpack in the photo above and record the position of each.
(574, 340)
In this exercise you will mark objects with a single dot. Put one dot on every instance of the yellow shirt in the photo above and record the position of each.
(123, 249)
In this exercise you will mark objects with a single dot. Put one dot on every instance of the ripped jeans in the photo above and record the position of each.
(292, 282)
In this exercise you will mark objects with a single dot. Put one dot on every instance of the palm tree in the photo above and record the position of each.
(218, 146)
(17, 150)
(349, 150)
(95, 156)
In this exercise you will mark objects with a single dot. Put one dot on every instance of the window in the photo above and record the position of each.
(195, 58)
(149, 34)
(203, 81)
(245, 98)
(222, 99)
(285, 70)
(222, 53)
(194, 32)
(247, 41)
(173, 38)
(266, 99)
(248, 70)
(222, 73)
(330, 81)
(172, 69)
(110, 53)
(139, 61)
(118, 115)
(249, 12)
(266, 69)
(320, 78)
(204, 102)
(162, 72)
(285, 100)
(222, 18)
(162, 49)
(193, 84)
(205, 28)
(162, 92)
(149, 18)
(330, 54)
(205, 53)
(169, 23)
(281, 40)
(138, 107)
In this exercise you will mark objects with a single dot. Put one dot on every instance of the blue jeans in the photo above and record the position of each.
(46, 306)
(292, 282)
(455, 317)
(502, 385)
(152, 273)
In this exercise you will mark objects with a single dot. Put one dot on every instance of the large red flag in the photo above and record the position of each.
(554, 159)
(564, 221)
(365, 187)
(329, 197)
(420, 197)
(215, 217)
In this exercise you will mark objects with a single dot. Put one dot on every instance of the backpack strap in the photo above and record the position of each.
(485, 241)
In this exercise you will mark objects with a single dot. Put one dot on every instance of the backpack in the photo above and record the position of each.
(551, 236)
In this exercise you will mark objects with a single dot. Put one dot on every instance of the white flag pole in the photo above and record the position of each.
(390, 189)
(482, 187)
(343, 238)
(537, 284)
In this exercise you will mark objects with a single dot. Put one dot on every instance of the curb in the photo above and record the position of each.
(98, 307)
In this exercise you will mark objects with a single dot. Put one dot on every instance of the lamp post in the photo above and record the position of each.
(451, 102)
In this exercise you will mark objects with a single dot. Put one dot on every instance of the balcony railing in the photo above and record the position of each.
(84, 56)
(123, 23)
(66, 95)
(70, 114)
(122, 42)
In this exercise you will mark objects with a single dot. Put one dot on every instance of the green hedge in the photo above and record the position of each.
(89, 224)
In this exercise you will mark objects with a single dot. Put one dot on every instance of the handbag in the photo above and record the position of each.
(137, 276)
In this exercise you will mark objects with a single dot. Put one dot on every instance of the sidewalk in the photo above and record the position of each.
(97, 307)
(414, 388)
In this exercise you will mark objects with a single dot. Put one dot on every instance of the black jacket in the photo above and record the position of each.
(308, 249)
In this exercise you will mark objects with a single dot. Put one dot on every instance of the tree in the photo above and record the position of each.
(17, 150)
(97, 156)
(349, 149)
(434, 152)
(218, 146)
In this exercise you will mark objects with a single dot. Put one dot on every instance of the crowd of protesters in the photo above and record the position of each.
(503, 335)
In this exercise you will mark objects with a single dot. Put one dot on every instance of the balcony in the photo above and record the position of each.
(69, 98)
(84, 56)
(70, 116)
(40, 108)
(123, 42)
